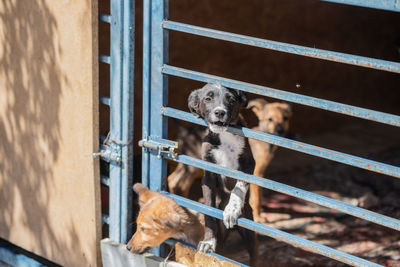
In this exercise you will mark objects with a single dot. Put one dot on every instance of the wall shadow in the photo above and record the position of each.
(31, 93)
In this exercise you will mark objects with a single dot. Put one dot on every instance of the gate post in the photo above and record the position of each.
(121, 117)
(155, 93)
(155, 89)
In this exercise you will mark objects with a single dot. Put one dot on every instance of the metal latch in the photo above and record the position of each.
(108, 154)
(163, 146)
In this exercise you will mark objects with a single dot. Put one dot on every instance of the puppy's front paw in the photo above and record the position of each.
(208, 245)
(231, 214)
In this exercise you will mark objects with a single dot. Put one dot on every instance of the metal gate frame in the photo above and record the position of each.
(157, 149)
(117, 148)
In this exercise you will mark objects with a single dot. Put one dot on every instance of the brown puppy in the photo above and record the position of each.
(273, 118)
(160, 218)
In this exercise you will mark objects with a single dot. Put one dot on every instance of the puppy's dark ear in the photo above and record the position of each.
(242, 98)
(194, 102)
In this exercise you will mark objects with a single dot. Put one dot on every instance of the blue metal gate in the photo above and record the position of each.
(117, 147)
(157, 149)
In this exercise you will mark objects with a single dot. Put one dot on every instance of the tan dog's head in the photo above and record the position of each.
(158, 220)
(273, 117)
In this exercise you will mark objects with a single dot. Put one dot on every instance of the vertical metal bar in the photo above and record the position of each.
(156, 92)
(121, 116)
(146, 88)
(115, 119)
(128, 73)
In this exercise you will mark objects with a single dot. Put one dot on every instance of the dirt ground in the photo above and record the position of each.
(365, 189)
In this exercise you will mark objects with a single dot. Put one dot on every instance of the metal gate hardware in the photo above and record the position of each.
(108, 154)
(163, 146)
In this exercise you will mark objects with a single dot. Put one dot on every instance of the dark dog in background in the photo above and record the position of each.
(220, 108)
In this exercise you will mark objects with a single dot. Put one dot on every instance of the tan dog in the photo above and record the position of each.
(160, 218)
(273, 118)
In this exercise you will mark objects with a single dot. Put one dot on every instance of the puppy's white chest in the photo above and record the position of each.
(227, 154)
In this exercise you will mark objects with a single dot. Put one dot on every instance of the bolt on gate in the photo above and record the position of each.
(157, 149)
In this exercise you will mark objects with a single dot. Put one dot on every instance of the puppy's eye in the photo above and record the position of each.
(207, 99)
(270, 120)
(141, 229)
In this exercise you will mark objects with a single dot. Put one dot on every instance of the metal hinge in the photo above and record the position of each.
(108, 154)
(162, 146)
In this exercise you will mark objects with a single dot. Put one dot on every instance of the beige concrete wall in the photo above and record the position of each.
(49, 182)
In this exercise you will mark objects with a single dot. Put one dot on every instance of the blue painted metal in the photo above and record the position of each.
(290, 190)
(121, 117)
(105, 18)
(276, 234)
(105, 59)
(158, 90)
(155, 93)
(284, 47)
(14, 258)
(105, 100)
(391, 5)
(295, 145)
(287, 96)
(172, 242)
(146, 89)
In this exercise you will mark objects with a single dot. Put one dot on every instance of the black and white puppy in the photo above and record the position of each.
(220, 108)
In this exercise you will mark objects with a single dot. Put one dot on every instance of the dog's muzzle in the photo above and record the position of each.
(138, 251)
(218, 126)
(218, 122)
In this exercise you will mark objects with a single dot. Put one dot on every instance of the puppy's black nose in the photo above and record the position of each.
(219, 113)
(129, 247)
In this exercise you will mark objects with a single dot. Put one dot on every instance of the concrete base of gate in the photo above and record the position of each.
(114, 254)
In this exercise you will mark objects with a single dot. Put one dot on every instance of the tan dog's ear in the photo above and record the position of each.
(173, 220)
(173, 217)
(287, 109)
(257, 106)
(139, 188)
(144, 193)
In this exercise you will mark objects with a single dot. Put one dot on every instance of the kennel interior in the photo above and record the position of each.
(365, 84)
